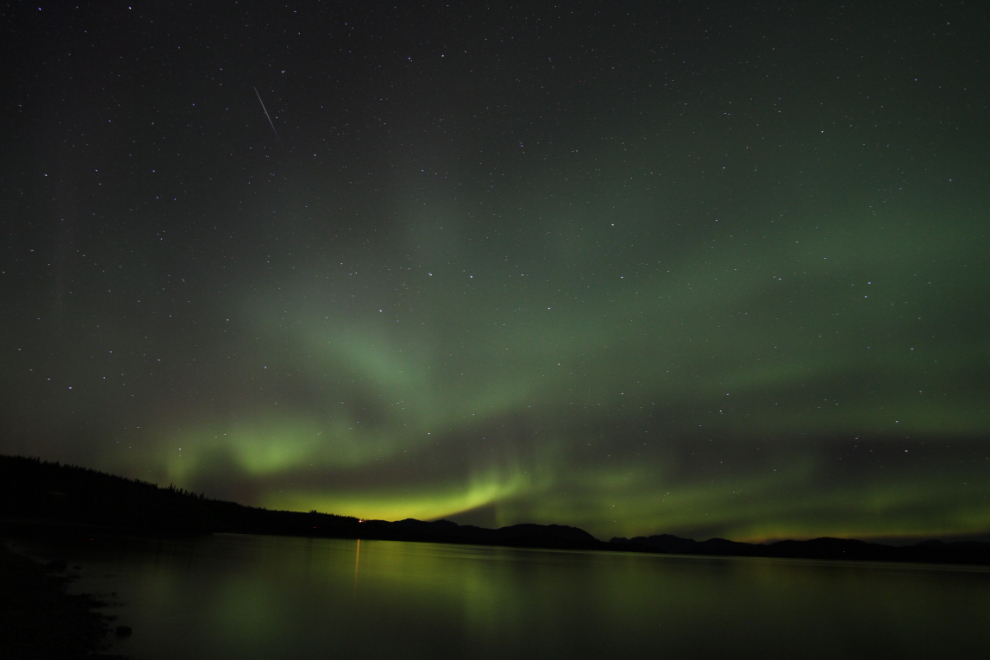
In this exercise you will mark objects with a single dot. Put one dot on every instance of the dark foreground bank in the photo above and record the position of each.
(39, 620)
(38, 497)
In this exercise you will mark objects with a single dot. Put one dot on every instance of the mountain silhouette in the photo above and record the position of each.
(44, 497)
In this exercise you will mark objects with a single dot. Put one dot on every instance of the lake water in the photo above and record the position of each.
(233, 596)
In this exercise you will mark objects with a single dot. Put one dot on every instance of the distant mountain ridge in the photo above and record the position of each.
(36, 492)
(963, 552)
(37, 495)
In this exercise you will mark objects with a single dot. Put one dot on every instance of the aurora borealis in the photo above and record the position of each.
(710, 270)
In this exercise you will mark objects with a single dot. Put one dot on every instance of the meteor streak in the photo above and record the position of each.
(266, 115)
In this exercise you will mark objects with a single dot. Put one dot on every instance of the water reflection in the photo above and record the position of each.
(357, 561)
(270, 597)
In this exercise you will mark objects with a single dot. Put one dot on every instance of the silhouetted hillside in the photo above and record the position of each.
(821, 548)
(35, 492)
(525, 535)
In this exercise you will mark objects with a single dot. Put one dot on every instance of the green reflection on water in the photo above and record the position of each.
(265, 597)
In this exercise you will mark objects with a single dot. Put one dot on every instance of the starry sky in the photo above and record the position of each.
(710, 269)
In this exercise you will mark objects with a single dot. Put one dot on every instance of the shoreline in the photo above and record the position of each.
(549, 537)
(39, 620)
(50, 499)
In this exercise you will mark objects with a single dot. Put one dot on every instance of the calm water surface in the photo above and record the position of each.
(275, 597)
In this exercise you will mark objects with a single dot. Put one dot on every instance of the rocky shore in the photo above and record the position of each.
(39, 620)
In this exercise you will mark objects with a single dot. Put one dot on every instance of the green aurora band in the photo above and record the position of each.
(706, 390)
(737, 287)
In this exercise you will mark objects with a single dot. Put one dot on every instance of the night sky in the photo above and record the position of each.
(711, 269)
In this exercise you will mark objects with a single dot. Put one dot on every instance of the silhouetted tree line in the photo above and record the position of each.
(36, 490)
(32, 490)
